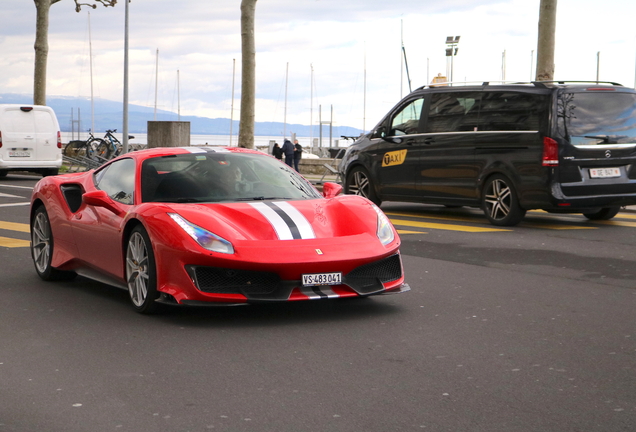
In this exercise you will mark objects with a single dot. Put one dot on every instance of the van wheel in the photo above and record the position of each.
(359, 183)
(605, 213)
(3, 173)
(500, 202)
(50, 172)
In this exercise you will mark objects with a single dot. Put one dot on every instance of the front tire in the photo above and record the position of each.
(141, 273)
(500, 202)
(605, 213)
(42, 248)
(359, 183)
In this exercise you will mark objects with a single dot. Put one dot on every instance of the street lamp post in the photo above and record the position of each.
(451, 51)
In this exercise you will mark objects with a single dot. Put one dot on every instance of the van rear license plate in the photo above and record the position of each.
(315, 279)
(605, 172)
(19, 154)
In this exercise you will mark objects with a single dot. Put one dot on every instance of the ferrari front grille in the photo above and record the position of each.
(367, 278)
(229, 281)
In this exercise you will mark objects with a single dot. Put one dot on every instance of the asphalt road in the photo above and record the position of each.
(526, 329)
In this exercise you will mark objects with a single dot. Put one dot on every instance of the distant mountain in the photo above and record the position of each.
(108, 115)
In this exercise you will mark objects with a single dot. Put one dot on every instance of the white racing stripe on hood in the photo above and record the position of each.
(305, 228)
(286, 220)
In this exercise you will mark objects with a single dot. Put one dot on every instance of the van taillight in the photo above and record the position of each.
(59, 139)
(550, 152)
(26, 109)
(0, 139)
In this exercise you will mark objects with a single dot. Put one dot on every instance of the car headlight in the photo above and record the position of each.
(205, 238)
(385, 229)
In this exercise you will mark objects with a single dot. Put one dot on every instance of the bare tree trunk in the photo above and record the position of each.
(41, 50)
(42, 43)
(545, 43)
(248, 76)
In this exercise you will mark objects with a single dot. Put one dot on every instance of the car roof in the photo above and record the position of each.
(523, 86)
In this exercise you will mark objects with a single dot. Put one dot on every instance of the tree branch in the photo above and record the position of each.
(105, 3)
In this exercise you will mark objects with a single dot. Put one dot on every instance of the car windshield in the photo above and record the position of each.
(597, 117)
(220, 176)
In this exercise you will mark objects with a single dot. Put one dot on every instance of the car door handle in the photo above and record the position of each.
(428, 141)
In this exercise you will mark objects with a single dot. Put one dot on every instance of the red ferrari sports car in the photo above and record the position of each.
(199, 225)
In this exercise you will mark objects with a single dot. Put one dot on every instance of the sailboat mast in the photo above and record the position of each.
(311, 108)
(364, 101)
(178, 97)
(156, 82)
(232, 106)
(285, 115)
(90, 54)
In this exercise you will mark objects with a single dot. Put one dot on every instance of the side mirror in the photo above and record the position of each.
(331, 190)
(379, 132)
(101, 199)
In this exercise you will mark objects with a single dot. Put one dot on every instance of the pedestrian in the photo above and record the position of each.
(288, 150)
(298, 153)
(277, 151)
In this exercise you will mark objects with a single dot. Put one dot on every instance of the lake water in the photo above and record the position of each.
(217, 140)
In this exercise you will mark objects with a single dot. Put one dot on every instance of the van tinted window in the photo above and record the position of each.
(592, 118)
(407, 121)
(453, 112)
(509, 111)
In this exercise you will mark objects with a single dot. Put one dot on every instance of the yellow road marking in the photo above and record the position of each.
(447, 227)
(13, 226)
(615, 223)
(13, 243)
(556, 227)
(462, 219)
(410, 232)
(447, 218)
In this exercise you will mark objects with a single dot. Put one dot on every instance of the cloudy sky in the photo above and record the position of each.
(201, 38)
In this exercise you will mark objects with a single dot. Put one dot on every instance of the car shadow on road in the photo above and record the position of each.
(252, 315)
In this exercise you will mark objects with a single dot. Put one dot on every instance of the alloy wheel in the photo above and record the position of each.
(41, 242)
(498, 199)
(137, 269)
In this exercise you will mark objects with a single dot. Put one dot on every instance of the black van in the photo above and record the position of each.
(563, 147)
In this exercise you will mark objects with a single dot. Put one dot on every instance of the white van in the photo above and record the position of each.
(30, 139)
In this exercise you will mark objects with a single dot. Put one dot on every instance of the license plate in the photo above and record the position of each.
(605, 172)
(322, 279)
(19, 154)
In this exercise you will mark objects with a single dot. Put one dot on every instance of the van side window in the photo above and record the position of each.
(453, 112)
(118, 180)
(508, 111)
(407, 121)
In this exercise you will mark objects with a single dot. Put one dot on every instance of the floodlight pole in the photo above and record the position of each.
(451, 51)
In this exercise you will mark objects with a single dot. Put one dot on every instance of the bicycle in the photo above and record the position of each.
(110, 146)
(99, 149)
(85, 149)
